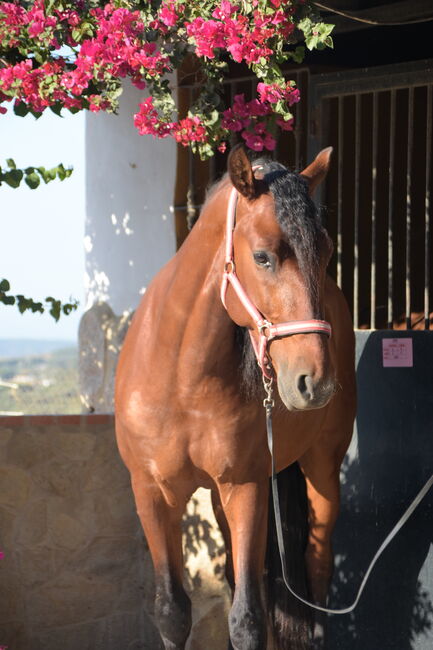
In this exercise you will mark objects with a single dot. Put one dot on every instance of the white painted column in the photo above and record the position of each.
(130, 230)
(129, 236)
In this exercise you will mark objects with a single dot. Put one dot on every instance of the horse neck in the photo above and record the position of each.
(207, 325)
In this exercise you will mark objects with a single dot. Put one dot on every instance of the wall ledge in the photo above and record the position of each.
(81, 421)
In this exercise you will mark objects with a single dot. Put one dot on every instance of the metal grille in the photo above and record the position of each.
(377, 199)
(378, 194)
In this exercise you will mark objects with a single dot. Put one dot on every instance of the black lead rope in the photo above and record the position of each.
(268, 403)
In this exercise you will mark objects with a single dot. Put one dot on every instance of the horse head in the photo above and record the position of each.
(281, 252)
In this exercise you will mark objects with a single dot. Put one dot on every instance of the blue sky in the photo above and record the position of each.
(42, 230)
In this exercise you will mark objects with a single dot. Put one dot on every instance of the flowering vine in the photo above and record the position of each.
(75, 55)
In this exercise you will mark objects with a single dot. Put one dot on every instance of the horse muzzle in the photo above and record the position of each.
(301, 391)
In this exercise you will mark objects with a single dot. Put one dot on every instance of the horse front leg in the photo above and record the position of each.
(245, 507)
(323, 491)
(225, 531)
(161, 521)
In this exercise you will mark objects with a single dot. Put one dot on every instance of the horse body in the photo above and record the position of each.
(182, 420)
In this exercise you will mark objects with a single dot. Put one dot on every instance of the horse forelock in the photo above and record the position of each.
(295, 212)
(298, 218)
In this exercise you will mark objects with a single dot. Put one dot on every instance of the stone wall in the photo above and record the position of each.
(76, 572)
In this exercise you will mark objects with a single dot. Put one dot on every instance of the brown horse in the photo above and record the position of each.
(186, 418)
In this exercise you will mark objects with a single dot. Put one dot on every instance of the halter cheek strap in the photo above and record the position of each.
(266, 330)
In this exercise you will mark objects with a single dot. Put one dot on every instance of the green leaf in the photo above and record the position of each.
(14, 177)
(11, 163)
(4, 285)
(213, 117)
(55, 310)
(36, 307)
(299, 54)
(32, 180)
(21, 109)
(68, 308)
(23, 303)
(311, 41)
(324, 29)
(57, 108)
(8, 300)
(44, 173)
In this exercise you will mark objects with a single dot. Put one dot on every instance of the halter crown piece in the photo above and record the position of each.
(266, 330)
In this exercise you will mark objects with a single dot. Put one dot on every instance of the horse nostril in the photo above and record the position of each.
(305, 386)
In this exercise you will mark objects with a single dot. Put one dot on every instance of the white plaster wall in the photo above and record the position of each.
(130, 231)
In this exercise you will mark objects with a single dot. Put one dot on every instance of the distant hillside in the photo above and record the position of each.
(12, 348)
(40, 383)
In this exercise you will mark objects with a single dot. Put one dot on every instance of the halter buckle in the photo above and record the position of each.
(268, 402)
(229, 267)
(262, 326)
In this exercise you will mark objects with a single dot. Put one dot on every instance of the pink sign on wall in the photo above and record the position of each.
(397, 353)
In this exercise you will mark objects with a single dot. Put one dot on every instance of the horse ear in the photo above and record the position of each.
(317, 170)
(241, 173)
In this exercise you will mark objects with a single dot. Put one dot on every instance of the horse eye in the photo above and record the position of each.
(262, 259)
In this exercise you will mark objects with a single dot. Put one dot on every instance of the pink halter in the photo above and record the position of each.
(267, 331)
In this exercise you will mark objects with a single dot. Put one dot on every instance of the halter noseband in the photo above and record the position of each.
(266, 330)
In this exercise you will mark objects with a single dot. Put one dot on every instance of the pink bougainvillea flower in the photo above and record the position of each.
(292, 96)
(232, 121)
(190, 129)
(167, 14)
(269, 92)
(260, 138)
(269, 142)
(286, 125)
(110, 43)
(253, 140)
(225, 9)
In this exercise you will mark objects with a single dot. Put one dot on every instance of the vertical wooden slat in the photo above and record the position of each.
(427, 231)
(190, 197)
(232, 86)
(298, 127)
(356, 212)
(390, 206)
(409, 205)
(212, 169)
(373, 214)
(340, 191)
